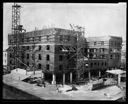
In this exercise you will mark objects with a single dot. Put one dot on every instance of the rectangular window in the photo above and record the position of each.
(47, 37)
(39, 38)
(27, 47)
(48, 47)
(27, 56)
(27, 63)
(33, 39)
(39, 66)
(103, 56)
(102, 64)
(22, 40)
(110, 56)
(91, 65)
(103, 49)
(10, 55)
(105, 64)
(68, 56)
(60, 58)
(10, 61)
(39, 47)
(61, 67)
(47, 57)
(39, 56)
(98, 64)
(47, 66)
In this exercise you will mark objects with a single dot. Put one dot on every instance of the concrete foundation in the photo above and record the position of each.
(53, 79)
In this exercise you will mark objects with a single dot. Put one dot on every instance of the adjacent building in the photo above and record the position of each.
(103, 53)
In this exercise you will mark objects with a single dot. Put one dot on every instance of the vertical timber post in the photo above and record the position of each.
(63, 78)
(70, 77)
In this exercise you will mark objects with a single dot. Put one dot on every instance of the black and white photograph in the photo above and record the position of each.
(64, 51)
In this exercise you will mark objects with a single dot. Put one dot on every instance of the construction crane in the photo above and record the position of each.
(17, 29)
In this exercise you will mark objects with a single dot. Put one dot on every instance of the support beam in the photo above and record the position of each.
(53, 79)
(70, 77)
(42, 75)
(89, 75)
(99, 73)
(119, 78)
(63, 78)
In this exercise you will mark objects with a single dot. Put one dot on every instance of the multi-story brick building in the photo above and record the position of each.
(103, 53)
(50, 49)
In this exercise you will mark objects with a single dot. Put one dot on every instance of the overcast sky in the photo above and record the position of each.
(98, 19)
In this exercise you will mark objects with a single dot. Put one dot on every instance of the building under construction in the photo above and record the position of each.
(61, 54)
(51, 50)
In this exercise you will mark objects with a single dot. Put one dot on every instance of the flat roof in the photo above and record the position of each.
(116, 71)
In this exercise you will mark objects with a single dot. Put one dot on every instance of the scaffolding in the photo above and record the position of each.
(17, 29)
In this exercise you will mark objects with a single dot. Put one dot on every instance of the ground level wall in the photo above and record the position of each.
(10, 92)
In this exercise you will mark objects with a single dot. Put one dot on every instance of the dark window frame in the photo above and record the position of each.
(10, 62)
(111, 56)
(47, 47)
(39, 57)
(39, 66)
(28, 47)
(60, 57)
(48, 57)
(47, 67)
(40, 47)
(10, 55)
(47, 37)
(27, 56)
(39, 38)
(102, 64)
(61, 67)
(27, 63)
(91, 64)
